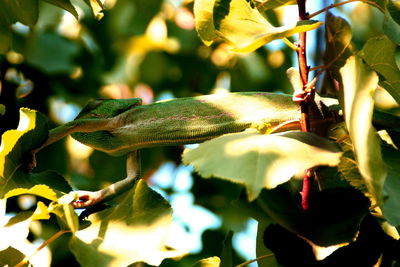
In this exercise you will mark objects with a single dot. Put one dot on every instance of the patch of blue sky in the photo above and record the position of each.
(244, 242)
(192, 220)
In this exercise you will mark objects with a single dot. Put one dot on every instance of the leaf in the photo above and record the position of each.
(258, 160)
(338, 37)
(391, 23)
(133, 231)
(15, 144)
(330, 207)
(15, 149)
(391, 188)
(41, 213)
(241, 25)
(2, 107)
(51, 53)
(5, 42)
(66, 5)
(38, 190)
(269, 4)
(208, 262)
(24, 11)
(68, 219)
(11, 257)
(227, 251)
(262, 250)
(204, 22)
(97, 7)
(379, 54)
(358, 86)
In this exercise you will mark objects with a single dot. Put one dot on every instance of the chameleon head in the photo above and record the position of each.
(107, 108)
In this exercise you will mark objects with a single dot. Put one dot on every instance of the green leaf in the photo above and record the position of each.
(269, 4)
(379, 54)
(241, 25)
(133, 231)
(2, 107)
(41, 213)
(97, 7)
(393, 7)
(66, 215)
(51, 53)
(15, 144)
(391, 188)
(15, 149)
(258, 160)
(379, 4)
(358, 86)
(262, 250)
(208, 262)
(330, 207)
(338, 37)
(11, 257)
(203, 14)
(391, 26)
(66, 5)
(24, 11)
(227, 251)
(5, 42)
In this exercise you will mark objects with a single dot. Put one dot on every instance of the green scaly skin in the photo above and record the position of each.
(180, 121)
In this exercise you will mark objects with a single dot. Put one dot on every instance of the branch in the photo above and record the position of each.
(304, 104)
(341, 4)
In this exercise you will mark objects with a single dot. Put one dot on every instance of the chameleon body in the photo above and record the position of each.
(127, 125)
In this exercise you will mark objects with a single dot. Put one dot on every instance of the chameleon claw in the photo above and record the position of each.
(84, 199)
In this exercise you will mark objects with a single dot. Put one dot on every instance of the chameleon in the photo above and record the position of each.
(124, 126)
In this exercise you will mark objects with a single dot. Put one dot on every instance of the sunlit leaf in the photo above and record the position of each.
(41, 213)
(208, 262)
(359, 84)
(269, 4)
(14, 235)
(38, 190)
(11, 257)
(68, 219)
(97, 7)
(241, 25)
(31, 132)
(203, 13)
(379, 54)
(133, 231)
(66, 5)
(15, 149)
(258, 160)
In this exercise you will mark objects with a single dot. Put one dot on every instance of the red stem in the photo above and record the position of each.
(305, 120)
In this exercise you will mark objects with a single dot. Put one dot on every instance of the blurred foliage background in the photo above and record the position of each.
(147, 49)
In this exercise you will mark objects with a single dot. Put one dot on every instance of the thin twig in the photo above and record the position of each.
(341, 4)
(45, 243)
(256, 259)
